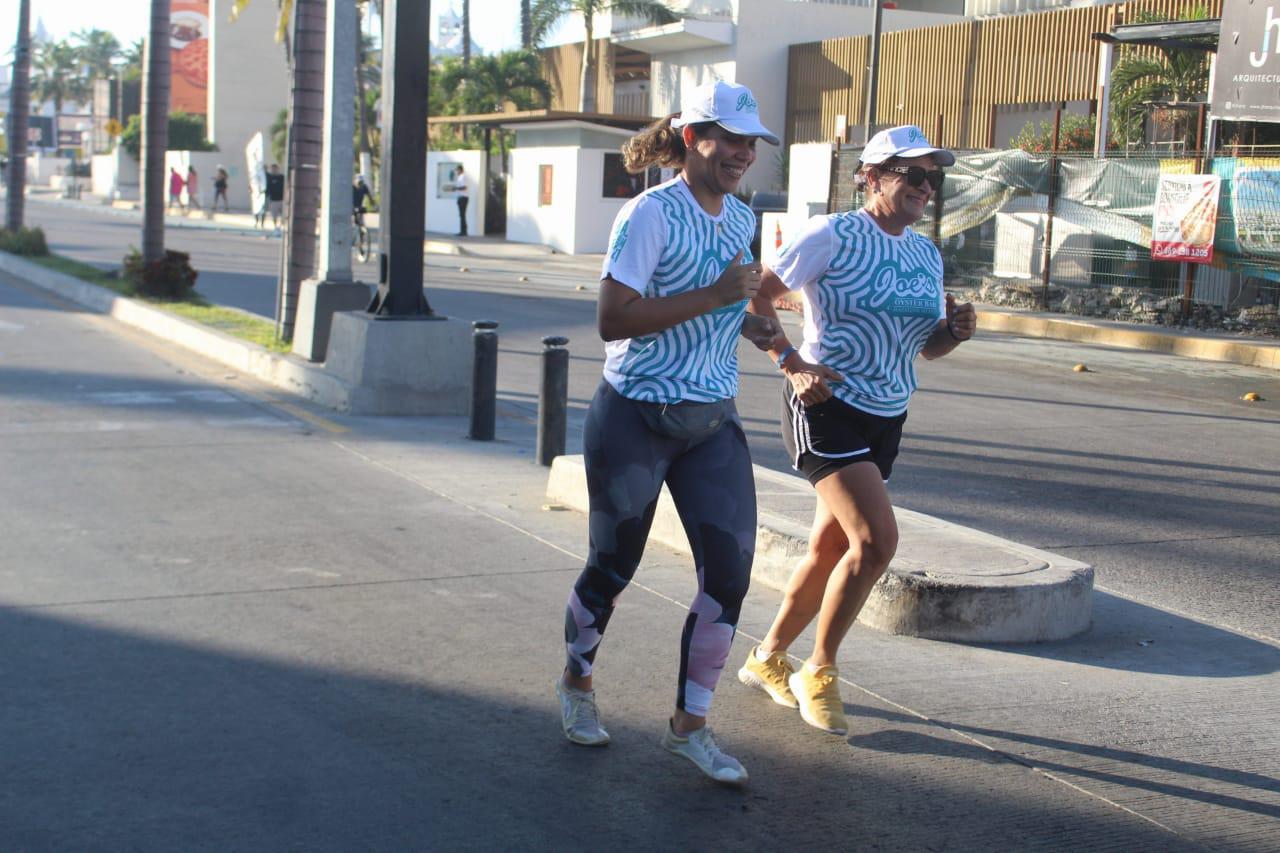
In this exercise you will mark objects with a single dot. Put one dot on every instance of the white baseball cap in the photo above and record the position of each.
(904, 141)
(729, 105)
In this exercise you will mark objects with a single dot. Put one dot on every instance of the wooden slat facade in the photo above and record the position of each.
(960, 71)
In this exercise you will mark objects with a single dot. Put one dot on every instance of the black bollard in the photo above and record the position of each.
(484, 380)
(553, 399)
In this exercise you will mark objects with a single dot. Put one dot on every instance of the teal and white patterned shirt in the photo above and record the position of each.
(664, 243)
(871, 301)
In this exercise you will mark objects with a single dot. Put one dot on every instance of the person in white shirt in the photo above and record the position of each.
(873, 301)
(673, 298)
(462, 187)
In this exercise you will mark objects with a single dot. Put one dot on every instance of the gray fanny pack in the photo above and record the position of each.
(687, 421)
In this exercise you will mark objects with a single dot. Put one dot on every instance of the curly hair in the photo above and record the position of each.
(659, 144)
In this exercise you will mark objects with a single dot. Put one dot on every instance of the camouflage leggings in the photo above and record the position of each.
(713, 488)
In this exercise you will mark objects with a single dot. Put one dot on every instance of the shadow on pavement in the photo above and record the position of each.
(128, 739)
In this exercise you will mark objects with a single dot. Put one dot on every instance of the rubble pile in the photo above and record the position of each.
(1124, 304)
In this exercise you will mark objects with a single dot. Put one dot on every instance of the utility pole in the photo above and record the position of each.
(19, 116)
(404, 159)
(332, 289)
(873, 75)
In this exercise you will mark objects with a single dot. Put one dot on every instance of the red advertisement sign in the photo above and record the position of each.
(189, 56)
(1186, 215)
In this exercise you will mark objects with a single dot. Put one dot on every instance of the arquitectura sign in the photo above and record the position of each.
(1247, 76)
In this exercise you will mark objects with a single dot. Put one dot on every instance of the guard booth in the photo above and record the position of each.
(563, 181)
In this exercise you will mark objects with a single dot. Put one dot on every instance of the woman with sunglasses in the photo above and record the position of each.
(673, 300)
(873, 301)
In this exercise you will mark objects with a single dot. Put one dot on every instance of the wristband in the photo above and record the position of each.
(952, 332)
(782, 359)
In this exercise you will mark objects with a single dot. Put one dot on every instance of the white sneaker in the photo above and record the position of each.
(700, 747)
(579, 716)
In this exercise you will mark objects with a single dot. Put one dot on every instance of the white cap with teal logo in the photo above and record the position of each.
(729, 105)
(905, 141)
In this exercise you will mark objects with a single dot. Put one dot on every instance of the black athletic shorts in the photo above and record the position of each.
(823, 438)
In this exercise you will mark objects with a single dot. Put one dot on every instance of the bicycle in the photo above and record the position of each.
(361, 241)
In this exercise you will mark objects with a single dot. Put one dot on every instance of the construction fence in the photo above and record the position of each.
(999, 209)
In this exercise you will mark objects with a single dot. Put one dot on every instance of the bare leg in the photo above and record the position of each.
(827, 544)
(858, 499)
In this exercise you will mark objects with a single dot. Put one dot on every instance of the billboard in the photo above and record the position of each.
(1185, 218)
(189, 56)
(1246, 81)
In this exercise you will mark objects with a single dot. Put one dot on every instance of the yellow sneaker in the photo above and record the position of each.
(770, 675)
(819, 697)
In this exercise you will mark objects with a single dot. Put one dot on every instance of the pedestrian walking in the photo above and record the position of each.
(275, 196)
(873, 301)
(193, 188)
(175, 188)
(258, 195)
(462, 187)
(672, 303)
(220, 178)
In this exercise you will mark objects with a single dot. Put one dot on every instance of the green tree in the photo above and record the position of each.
(1075, 133)
(98, 51)
(187, 132)
(1171, 74)
(56, 75)
(513, 77)
(546, 14)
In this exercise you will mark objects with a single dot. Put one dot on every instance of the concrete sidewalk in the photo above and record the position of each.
(395, 693)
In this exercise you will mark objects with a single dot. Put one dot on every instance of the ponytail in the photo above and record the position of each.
(659, 144)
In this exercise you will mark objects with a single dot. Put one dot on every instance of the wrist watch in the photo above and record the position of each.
(782, 358)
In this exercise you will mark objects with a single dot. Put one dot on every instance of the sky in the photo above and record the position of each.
(494, 23)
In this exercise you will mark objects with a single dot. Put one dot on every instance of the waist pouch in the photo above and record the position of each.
(687, 421)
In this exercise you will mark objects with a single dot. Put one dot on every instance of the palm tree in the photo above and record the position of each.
(301, 26)
(19, 112)
(1173, 74)
(155, 137)
(526, 25)
(545, 14)
(466, 33)
(513, 77)
(97, 51)
(56, 75)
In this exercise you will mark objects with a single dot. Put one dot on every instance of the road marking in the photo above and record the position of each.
(303, 415)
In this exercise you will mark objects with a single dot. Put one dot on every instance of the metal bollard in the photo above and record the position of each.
(484, 380)
(553, 399)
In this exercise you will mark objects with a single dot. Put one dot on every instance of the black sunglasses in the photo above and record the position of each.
(917, 175)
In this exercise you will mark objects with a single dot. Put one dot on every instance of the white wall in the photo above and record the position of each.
(758, 60)
(248, 86)
(116, 175)
(41, 167)
(809, 184)
(442, 213)
(554, 225)
(595, 212)
(206, 163)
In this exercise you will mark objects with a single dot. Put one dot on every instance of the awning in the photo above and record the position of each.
(530, 116)
(685, 34)
(1189, 35)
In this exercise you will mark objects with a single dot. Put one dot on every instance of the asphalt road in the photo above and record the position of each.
(1150, 467)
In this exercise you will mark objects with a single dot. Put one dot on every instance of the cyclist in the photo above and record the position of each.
(359, 192)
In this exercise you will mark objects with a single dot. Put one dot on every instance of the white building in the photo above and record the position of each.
(746, 42)
(248, 85)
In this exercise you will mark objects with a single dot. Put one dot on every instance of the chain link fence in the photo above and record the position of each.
(999, 210)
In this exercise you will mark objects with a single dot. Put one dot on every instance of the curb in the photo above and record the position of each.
(287, 372)
(1209, 348)
(947, 582)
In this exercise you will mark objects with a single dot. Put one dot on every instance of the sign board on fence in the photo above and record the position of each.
(1247, 72)
(1186, 214)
